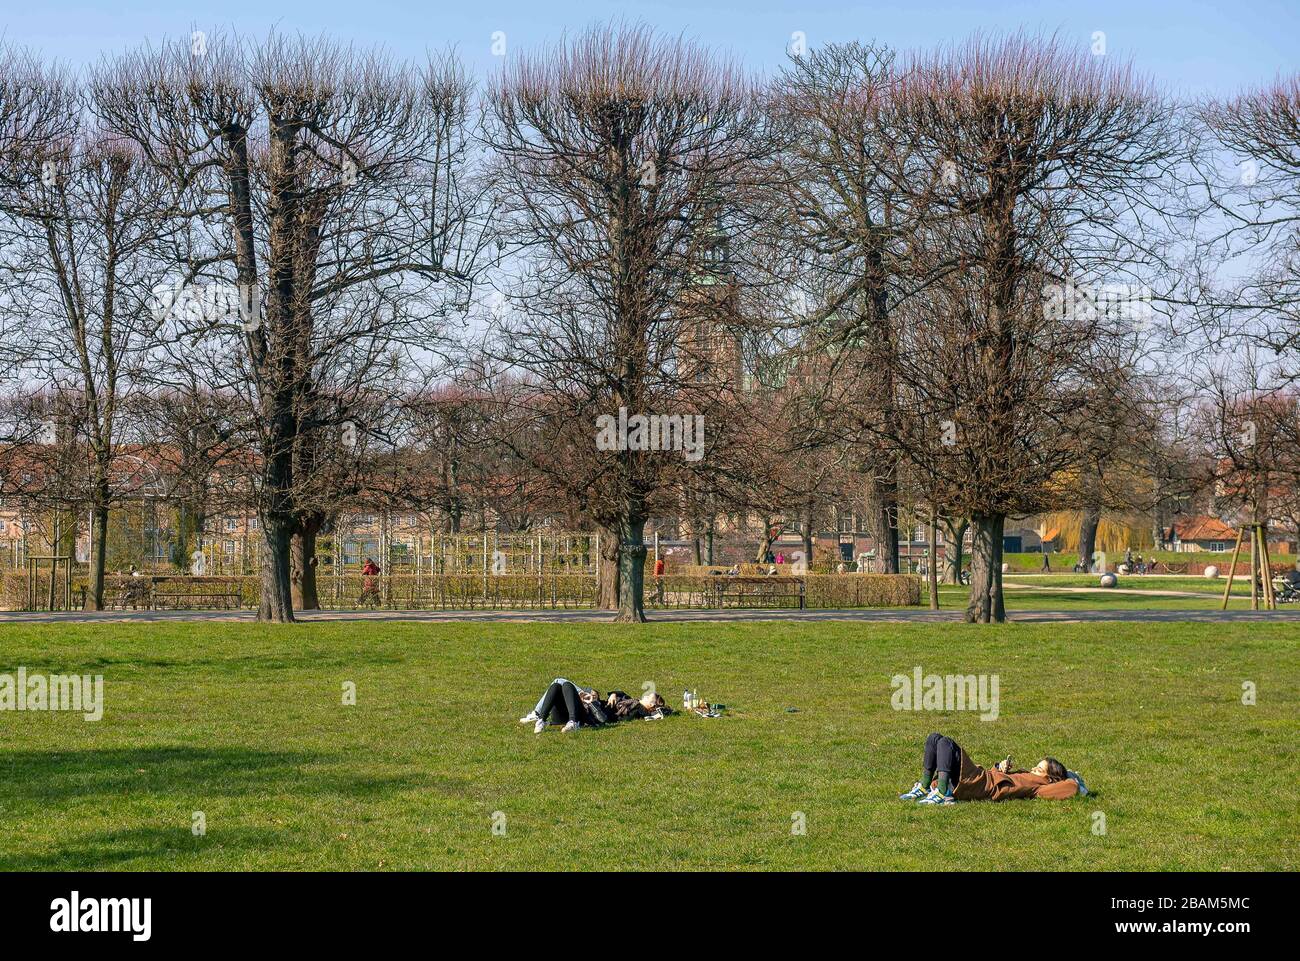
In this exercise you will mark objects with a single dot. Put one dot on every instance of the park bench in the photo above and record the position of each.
(747, 590)
(132, 592)
(172, 593)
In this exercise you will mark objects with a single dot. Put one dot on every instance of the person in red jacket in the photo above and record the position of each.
(369, 588)
(949, 775)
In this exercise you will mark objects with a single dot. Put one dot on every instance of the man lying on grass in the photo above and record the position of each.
(566, 703)
(943, 757)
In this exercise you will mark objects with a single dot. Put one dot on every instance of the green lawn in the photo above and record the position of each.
(245, 723)
(1138, 582)
(1045, 598)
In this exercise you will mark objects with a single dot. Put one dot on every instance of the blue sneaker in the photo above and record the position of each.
(918, 791)
(934, 797)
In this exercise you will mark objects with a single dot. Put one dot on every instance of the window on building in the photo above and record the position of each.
(230, 524)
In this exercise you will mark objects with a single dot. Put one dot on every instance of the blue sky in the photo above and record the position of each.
(1192, 46)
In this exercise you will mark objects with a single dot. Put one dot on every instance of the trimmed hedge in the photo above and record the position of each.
(863, 590)
(1169, 562)
(512, 591)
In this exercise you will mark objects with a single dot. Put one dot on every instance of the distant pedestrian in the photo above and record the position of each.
(1047, 564)
(369, 587)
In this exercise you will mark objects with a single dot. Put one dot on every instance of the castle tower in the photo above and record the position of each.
(711, 347)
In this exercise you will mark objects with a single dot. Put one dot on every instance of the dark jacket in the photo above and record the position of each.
(624, 707)
(594, 712)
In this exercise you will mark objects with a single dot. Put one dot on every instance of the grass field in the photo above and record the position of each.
(245, 723)
(1139, 582)
(1044, 594)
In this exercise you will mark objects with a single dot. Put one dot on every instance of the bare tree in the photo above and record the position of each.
(1253, 208)
(82, 218)
(836, 204)
(325, 192)
(617, 157)
(1023, 159)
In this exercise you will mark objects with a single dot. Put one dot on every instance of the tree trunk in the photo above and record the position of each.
(932, 569)
(1088, 534)
(607, 589)
(954, 547)
(302, 563)
(985, 606)
(882, 523)
(631, 572)
(765, 542)
(98, 554)
(277, 594)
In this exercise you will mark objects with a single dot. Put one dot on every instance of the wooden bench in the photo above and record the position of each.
(132, 592)
(758, 588)
(230, 600)
(167, 592)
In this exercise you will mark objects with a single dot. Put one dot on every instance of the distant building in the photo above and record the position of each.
(1200, 533)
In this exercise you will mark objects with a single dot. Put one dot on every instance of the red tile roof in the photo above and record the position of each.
(1202, 528)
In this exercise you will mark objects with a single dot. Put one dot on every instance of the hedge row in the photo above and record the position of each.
(506, 591)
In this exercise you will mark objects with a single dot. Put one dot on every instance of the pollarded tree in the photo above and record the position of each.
(617, 157)
(82, 213)
(1027, 159)
(837, 217)
(326, 197)
(1258, 215)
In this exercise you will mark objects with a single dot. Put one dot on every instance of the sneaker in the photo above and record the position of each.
(539, 727)
(528, 718)
(918, 791)
(934, 797)
(571, 726)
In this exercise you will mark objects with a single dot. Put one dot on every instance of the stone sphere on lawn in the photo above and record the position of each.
(1211, 571)
(1109, 580)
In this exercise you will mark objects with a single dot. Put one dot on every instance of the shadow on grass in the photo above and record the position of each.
(44, 783)
(239, 662)
(28, 777)
(110, 850)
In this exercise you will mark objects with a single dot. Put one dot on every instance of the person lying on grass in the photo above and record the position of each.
(948, 775)
(566, 703)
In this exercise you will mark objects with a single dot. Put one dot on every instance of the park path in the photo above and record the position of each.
(874, 615)
(1135, 591)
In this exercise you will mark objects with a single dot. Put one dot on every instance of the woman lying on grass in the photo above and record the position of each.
(566, 703)
(943, 757)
